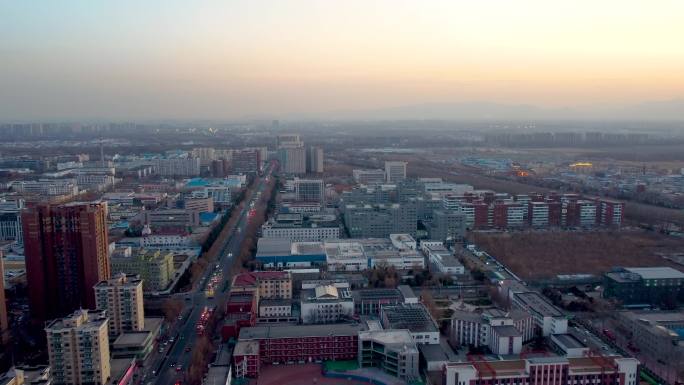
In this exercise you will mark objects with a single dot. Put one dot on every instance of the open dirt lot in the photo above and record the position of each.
(541, 255)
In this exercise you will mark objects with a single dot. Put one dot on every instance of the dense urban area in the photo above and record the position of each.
(386, 253)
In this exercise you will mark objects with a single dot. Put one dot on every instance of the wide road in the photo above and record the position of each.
(184, 331)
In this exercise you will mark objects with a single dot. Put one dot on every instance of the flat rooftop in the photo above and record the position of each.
(389, 337)
(407, 292)
(539, 304)
(344, 249)
(275, 302)
(271, 246)
(656, 272)
(433, 352)
(413, 317)
(376, 294)
(132, 338)
(506, 331)
(299, 248)
(295, 331)
(568, 341)
(217, 375)
(246, 348)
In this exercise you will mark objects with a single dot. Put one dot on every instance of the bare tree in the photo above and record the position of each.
(172, 308)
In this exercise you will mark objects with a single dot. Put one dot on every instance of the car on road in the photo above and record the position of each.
(172, 364)
(179, 368)
(187, 349)
(230, 255)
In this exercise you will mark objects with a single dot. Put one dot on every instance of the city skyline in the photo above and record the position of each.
(308, 59)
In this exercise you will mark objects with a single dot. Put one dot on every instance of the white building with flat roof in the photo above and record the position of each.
(395, 171)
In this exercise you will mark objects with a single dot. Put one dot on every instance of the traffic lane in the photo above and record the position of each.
(188, 333)
(178, 354)
(167, 373)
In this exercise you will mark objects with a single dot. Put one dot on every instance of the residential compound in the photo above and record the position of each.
(448, 209)
(488, 210)
(180, 166)
(78, 348)
(399, 250)
(121, 298)
(154, 267)
(66, 255)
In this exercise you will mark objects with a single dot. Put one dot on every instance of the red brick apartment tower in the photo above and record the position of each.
(66, 255)
(481, 210)
(500, 215)
(610, 212)
(555, 213)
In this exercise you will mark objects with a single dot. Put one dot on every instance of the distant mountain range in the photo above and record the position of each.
(658, 110)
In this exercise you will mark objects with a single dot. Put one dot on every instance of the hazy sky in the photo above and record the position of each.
(231, 59)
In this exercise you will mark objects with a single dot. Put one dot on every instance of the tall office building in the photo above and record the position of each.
(66, 255)
(78, 348)
(122, 298)
(291, 154)
(395, 171)
(314, 160)
(289, 140)
(309, 190)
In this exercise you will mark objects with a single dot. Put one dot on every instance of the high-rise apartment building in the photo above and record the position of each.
(314, 160)
(246, 161)
(66, 255)
(78, 348)
(395, 171)
(178, 166)
(309, 190)
(122, 298)
(154, 267)
(292, 159)
(291, 154)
